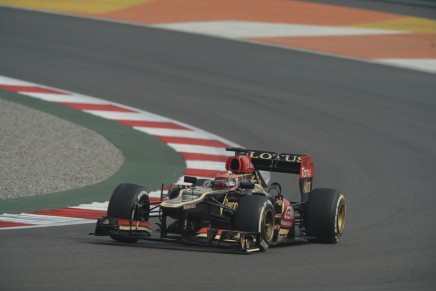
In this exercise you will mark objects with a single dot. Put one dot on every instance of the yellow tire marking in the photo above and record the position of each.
(409, 24)
(75, 6)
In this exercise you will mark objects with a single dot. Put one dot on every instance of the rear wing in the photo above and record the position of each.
(283, 163)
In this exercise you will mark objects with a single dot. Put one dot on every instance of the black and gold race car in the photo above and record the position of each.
(236, 211)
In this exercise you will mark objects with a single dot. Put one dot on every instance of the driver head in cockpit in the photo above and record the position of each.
(225, 180)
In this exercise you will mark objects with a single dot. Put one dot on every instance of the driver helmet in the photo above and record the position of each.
(225, 180)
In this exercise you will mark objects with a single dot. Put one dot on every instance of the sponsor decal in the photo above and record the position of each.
(279, 200)
(233, 205)
(263, 156)
(273, 156)
(307, 168)
(288, 216)
(189, 206)
(306, 173)
(289, 213)
(307, 187)
(290, 158)
(207, 183)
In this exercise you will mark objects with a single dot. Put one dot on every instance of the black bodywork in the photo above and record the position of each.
(199, 215)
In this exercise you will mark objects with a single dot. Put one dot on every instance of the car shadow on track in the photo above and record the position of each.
(183, 247)
(167, 246)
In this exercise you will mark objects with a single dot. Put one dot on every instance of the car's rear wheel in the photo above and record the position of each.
(325, 215)
(256, 213)
(128, 201)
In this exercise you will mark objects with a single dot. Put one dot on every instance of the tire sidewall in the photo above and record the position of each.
(266, 208)
(123, 201)
(337, 231)
(251, 214)
(323, 214)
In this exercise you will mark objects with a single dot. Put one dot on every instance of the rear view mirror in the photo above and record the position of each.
(189, 179)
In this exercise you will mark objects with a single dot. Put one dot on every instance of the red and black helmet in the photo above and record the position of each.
(225, 180)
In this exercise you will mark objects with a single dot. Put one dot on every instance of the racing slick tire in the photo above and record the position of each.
(325, 215)
(128, 201)
(255, 213)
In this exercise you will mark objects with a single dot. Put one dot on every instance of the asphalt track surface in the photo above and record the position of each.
(370, 128)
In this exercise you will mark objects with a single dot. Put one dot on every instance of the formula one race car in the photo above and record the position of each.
(236, 210)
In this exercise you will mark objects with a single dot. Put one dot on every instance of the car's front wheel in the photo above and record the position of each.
(255, 213)
(131, 202)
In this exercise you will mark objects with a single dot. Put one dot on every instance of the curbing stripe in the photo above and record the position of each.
(98, 107)
(193, 141)
(134, 116)
(203, 157)
(203, 152)
(199, 149)
(201, 172)
(28, 89)
(205, 165)
(171, 132)
(10, 225)
(150, 124)
(58, 98)
(73, 212)
(39, 219)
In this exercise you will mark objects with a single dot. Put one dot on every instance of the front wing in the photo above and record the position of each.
(230, 240)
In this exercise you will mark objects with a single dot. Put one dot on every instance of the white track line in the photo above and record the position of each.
(250, 29)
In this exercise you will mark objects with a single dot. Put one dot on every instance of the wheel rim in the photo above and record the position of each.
(268, 226)
(341, 218)
(141, 208)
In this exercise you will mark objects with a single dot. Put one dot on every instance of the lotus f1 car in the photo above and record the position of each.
(237, 210)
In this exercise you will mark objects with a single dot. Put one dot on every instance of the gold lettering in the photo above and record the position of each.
(290, 158)
(189, 206)
(233, 205)
(266, 156)
(307, 187)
